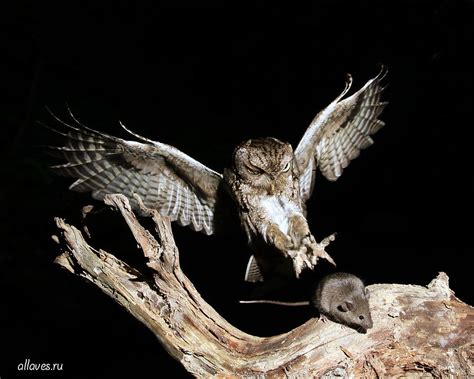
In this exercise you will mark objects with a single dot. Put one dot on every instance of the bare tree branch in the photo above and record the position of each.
(417, 330)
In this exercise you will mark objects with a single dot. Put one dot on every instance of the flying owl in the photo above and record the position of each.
(268, 182)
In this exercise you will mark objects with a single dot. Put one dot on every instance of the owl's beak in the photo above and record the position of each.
(272, 177)
(272, 182)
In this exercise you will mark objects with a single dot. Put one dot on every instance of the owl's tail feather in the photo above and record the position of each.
(253, 273)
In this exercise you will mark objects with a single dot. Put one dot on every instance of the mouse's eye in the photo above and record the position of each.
(361, 317)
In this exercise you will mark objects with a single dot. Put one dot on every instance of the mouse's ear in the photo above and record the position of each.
(345, 306)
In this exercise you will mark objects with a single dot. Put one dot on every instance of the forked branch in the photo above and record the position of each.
(417, 330)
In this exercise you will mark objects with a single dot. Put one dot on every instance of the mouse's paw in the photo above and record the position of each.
(323, 318)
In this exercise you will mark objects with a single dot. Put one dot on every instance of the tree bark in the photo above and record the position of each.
(418, 331)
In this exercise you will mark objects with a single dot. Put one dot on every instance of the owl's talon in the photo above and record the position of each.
(309, 252)
(301, 260)
(299, 263)
(308, 239)
(299, 245)
(326, 241)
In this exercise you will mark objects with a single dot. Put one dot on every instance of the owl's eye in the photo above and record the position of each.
(253, 170)
(287, 167)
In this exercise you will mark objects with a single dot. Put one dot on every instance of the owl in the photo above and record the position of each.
(265, 184)
(268, 182)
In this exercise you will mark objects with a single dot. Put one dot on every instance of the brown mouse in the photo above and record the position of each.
(341, 297)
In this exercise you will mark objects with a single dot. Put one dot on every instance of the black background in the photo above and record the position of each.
(203, 78)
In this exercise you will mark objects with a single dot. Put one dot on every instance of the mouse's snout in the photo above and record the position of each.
(366, 321)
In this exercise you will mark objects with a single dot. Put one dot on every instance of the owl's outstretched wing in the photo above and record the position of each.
(338, 133)
(165, 178)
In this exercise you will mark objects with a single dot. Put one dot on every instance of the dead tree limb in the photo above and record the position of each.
(420, 331)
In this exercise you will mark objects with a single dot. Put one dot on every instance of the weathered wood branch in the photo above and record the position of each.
(417, 330)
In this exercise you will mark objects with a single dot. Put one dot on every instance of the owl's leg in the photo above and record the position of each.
(277, 238)
(299, 230)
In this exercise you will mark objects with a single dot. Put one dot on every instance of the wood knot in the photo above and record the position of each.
(440, 285)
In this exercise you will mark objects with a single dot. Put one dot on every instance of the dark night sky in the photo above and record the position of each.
(214, 75)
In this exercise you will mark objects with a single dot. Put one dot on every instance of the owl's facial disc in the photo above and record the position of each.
(263, 160)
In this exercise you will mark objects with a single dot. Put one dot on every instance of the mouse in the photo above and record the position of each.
(341, 297)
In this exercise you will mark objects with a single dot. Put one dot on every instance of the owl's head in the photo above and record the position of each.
(264, 162)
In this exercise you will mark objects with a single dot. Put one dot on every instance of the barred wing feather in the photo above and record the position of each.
(165, 178)
(339, 132)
